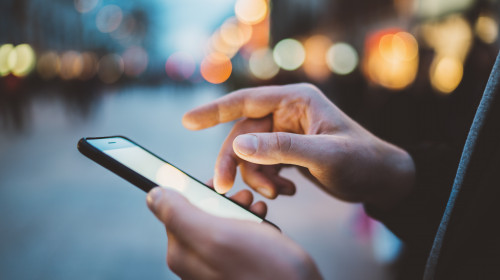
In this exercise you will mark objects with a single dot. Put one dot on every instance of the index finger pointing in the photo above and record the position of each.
(252, 103)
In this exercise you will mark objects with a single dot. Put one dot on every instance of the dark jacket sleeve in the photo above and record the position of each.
(416, 219)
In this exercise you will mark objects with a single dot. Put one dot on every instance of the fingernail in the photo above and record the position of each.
(154, 195)
(265, 192)
(220, 189)
(246, 144)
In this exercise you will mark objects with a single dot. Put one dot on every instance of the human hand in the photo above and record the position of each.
(297, 125)
(202, 246)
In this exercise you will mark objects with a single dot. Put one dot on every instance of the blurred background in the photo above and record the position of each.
(411, 71)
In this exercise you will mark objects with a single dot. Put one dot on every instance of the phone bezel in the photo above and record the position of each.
(130, 175)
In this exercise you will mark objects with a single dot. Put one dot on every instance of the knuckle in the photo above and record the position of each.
(283, 141)
(309, 88)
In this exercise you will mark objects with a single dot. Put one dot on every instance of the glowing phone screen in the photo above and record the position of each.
(168, 176)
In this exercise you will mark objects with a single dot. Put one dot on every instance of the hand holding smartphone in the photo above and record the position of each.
(146, 171)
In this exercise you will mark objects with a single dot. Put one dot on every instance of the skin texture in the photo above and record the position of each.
(202, 246)
(297, 125)
(292, 125)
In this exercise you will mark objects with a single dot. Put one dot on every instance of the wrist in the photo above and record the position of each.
(396, 177)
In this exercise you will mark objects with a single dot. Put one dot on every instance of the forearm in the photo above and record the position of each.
(394, 177)
(416, 216)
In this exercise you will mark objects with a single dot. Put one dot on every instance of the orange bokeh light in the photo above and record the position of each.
(71, 65)
(315, 65)
(259, 38)
(216, 68)
(391, 58)
(89, 68)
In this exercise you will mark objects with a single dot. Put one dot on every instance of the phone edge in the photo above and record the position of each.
(122, 171)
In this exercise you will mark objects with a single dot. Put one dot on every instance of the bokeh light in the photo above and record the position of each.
(315, 65)
(251, 11)
(216, 68)
(219, 45)
(451, 40)
(21, 60)
(135, 60)
(486, 28)
(259, 39)
(85, 6)
(71, 65)
(342, 58)
(48, 65)
(129, 32)
(180, 66)
(437, 8)
(110, 68)
(89, 68)
(109, 18)
(289, 54)
(391, 59)
(4, 55)
(398, 47)
(262, 65)
(449, 37)
(235, 33)
(446, 74)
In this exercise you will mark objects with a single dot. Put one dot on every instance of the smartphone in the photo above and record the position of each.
(146, 171)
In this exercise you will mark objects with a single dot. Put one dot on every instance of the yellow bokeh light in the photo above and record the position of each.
(48, 65)
(21, 60)
(251, 11)
(391, 59)
(315, 65)
(219, 45)
(446, 74)
(216, 68)
(486, 29)
(71, 65)
(289, 54)
(235, 33)
(5, 50)
(449, 37)
(342, 58)
(262, 65)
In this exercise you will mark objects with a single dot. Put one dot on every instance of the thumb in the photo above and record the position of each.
(281, 147)
(180, 217)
